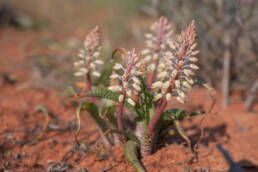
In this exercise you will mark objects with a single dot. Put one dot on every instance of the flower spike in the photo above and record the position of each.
(178, 61)
(125, 81)
(89, 57)
(156, 43)
(126, 75)
(176, 66)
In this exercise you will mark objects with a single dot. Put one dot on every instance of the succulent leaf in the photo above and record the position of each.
(72, 90)
(169, 116)
(103, 93)
(109, 114)
(94, 113)
(129, 135)
(145, 141)
(182, 133)
(131, 154)
(43, 109)
(180, 114)
(114, 96)
(146, 101)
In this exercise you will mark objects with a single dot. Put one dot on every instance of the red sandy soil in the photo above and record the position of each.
(20, 123)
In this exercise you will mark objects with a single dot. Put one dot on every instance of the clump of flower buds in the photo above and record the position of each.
(89, 56)
(171, 67)
(127, 83)
(176, 67)
(156, 44)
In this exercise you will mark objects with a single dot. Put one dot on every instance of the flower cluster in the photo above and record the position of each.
(176, 66)
(89, 56)
(170, 71)
(125, 77)
(156, 43)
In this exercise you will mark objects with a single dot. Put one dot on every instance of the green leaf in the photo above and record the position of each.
(169, 116)
(174, 114)
(142, 134)
(194, 113)
(131, 154)
(167, 119)
(182, 133)
(103, 93)
(180, 114)
(72, 90)
(135, 110)
(109, 112)
(110, 95)
(94, 113)
(146, 101)
(44, 110)
(78, 116)
(129, 135)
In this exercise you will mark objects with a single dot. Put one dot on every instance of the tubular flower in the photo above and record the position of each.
(89, 56)
(125, 80)
(176, 67)
(156, 43)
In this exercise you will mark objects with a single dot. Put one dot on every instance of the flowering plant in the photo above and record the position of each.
(143, 86)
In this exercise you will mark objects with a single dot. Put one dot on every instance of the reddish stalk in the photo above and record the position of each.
(162, 105)
(88, 82)
(90, 44)
(88, 85)
(88, 78)
(123, 93)
(120, 112)
(119, 116)
(157, 51)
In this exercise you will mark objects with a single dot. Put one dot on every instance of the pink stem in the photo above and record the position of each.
(88, 85)
(88, 82)
(87, 77)
(120, 114)
(151, 74)
(156, 116)
(163, 103)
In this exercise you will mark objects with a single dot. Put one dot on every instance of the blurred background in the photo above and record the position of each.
(43, 36)
(39, 42)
